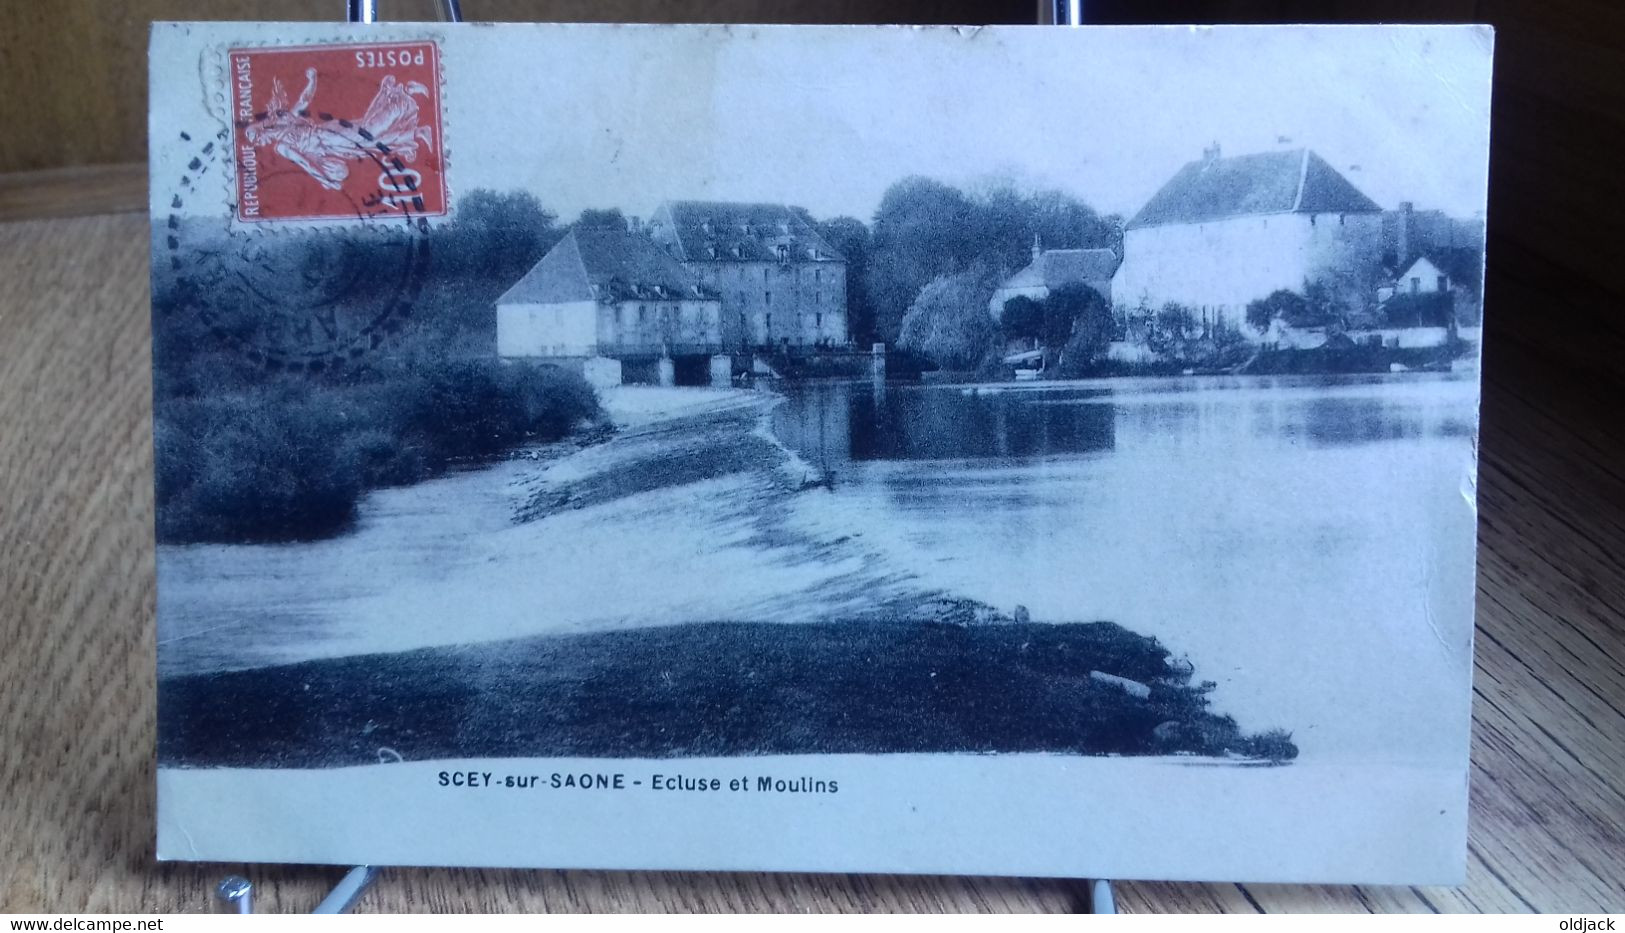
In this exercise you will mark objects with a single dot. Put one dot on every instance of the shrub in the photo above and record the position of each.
(1090, 330)
(462, 408)
(1022, 317)
(553, 401)
(289, 459)
(250, 467)
(382, 458)
(1275, 745)
(1427, 309)
(949, 322)
(1281, 303)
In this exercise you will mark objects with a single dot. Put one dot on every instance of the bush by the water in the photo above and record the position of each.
(247, 452)
(288, 458)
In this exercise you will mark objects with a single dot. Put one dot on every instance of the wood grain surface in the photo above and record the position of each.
(1547, 828)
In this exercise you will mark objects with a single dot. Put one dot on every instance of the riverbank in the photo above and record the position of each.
(549, 607)
(722, 689)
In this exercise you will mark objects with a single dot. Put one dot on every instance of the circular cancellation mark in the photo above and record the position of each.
(300, 297)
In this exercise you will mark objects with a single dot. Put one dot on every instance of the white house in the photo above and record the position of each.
(1226, 231)
(605, 299)
(1422, 277)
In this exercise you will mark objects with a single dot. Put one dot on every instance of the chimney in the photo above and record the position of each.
(1211, 153)
(1038, 248)
(1406, 232)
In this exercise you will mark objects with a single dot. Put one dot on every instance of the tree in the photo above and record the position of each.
(496, 234)
(1063, 308)
(598, 219)
(850, 237)
(1005, 221)
(1064, 222)
(1176, 320)
(1290, 306)
(925, 229)
(1088, 323)
(1170, 329)
(921, 231)
(1022, 317)
(1428, 309)
(948, 321)
(1331, 300)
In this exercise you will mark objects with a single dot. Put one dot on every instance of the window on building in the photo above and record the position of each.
(1444, 283)
(767, 299)
(818, 275)
(784, 252)
(1416, 284)
(818, 319)
(767, 321)
(643, 313)
(764, 273)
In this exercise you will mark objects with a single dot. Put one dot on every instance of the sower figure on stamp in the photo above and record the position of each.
(322, 149)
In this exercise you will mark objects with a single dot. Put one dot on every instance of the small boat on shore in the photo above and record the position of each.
(1029, 364)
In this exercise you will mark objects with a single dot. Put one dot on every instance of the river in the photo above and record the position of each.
(1305, 541)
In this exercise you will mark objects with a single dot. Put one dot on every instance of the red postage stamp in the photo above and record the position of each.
(338, 131)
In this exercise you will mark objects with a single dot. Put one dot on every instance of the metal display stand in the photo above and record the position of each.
(235, 893)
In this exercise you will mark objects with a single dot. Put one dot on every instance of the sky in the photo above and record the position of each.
(828, 117)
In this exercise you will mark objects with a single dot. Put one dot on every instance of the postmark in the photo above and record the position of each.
(294, 298)
(337, 132)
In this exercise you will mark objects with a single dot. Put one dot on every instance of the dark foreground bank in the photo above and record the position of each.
(716, 689)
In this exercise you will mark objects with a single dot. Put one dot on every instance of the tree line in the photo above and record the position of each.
(925, 230)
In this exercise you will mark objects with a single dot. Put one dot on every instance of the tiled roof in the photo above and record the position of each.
(606, 265)
(1056, 267)
(1296, 181)
(726, 231)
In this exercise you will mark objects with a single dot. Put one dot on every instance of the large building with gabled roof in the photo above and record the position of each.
(780, 282)
(1226, 231)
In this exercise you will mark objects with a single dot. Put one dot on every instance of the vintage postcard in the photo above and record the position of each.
(1026, 451)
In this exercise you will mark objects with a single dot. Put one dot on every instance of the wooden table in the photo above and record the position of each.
(76, 622)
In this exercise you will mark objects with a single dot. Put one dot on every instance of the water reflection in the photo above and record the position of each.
(835, 423)
(1303, 541)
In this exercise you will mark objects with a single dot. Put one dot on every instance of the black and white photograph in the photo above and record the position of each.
(987, 450)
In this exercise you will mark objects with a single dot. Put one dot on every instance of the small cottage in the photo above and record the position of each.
(1052, 268)
(1421, 277)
